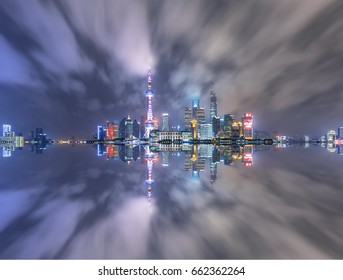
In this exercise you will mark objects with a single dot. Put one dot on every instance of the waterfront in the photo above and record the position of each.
(70, 203)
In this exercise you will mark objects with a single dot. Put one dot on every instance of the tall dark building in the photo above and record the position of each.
(213, 106)
(126, 128)
(340, 132)
(215, 126)
(228, 120)
(40, 136)
(188, 118)
(136, 129)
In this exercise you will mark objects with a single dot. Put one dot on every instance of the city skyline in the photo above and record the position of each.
(171, 129)
(99, 74)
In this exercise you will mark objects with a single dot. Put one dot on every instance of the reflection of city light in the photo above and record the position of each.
(247, 156)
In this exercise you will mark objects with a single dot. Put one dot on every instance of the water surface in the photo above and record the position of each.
(70, 203)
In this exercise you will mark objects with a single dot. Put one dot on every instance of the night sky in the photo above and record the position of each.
(67, 66)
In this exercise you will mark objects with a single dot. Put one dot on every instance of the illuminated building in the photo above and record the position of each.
(165, 122)
(213, 106)
(115, 130)
(6, 128)
(186, 135)
(228, 120)
(155, 121)
(149, 125)
(205, 131)
(10, 142)
(199, 114)
(331, 136)
(101, 132)
(248, 128)
(236, 130)
(109, 130)
(195, 104)
(169, 135)
(188, 118)
(194, 128)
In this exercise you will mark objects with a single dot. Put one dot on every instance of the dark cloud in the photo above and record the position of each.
(74, 64)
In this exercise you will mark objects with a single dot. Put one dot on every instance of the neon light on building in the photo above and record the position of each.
(248, 127)
(149, 93)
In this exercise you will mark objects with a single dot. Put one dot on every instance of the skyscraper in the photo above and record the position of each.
(136, 129)
(215, 126)
(6, 128)
(213, 106)
(195, 104)
(248, 128)
(115, 130)
(149, 125)
(188, 118)
(101, 132)
(109, 130)
(228, 120)
(126, 128)
(165, 122)
(205, 131)
(199, 115)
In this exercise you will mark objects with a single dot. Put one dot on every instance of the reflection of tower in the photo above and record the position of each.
(149, 124)
(149, 156)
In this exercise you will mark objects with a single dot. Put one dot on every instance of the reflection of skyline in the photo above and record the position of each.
(108, 199)
(197, 158)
